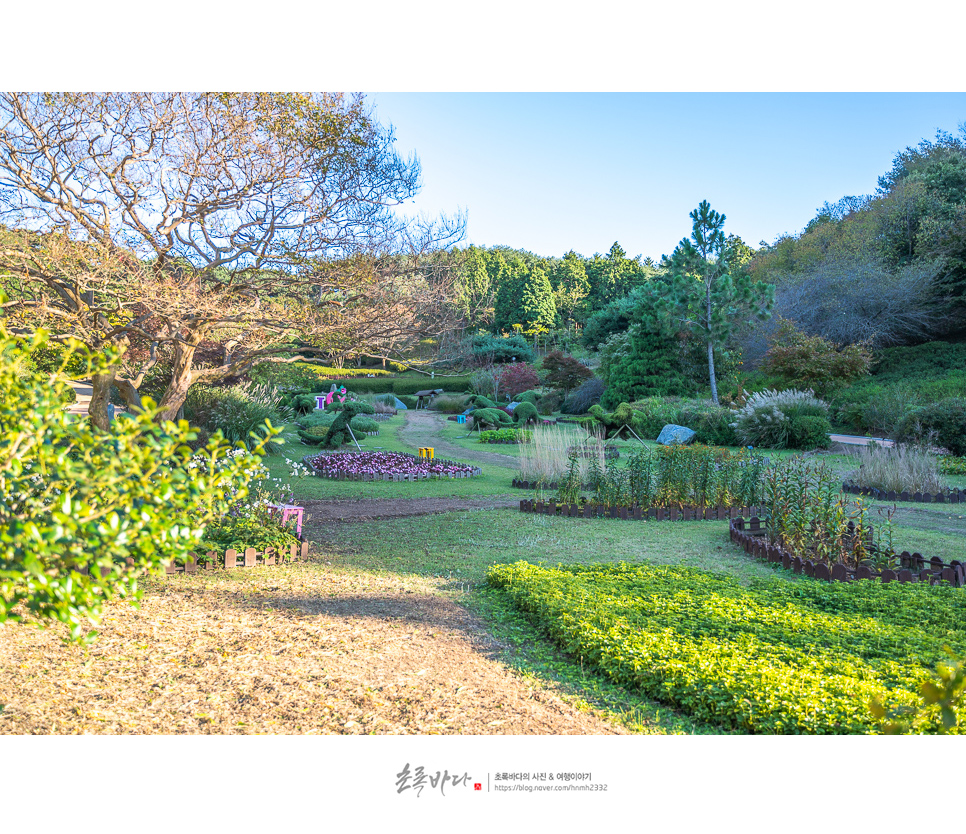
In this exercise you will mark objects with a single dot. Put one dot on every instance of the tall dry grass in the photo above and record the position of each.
(546, 457)
(901, 467)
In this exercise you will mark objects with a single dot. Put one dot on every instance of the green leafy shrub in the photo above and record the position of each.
(944, 420)
(129, 494)
(241, 533)
(773, 657)
(525, 413)
(772, 419)
(809, 432)
(711, 423)
(549, 403)
(654, 413)
(505, 436)
(801, 361)
(361, 424)
(409, 402)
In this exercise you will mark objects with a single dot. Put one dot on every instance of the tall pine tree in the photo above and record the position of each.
(705, 296)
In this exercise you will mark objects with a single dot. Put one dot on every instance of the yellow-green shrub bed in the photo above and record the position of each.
(772, 657)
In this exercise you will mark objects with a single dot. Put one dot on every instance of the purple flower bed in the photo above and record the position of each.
(366, 465)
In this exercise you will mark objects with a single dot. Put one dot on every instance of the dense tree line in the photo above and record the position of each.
(887, 268)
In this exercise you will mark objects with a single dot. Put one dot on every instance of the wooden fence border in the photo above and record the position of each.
(249, 558)
(634, 513)
(954, 496)
(391, 476)
(913, 567)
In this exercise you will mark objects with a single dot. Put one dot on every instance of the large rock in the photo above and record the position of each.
(672, 434)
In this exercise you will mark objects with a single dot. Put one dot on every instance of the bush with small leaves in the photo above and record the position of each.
(85, 514)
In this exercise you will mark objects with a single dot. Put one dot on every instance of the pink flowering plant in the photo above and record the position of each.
(348, 464)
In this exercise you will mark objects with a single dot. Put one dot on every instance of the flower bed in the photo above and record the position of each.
(385, 466)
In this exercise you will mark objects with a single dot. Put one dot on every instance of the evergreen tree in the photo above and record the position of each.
(705, 296)
(537, 309)
(571, 287)
(641, 363)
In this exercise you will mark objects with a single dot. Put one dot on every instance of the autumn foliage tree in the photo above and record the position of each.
(564, 372)
(154, 222)
(803, 361)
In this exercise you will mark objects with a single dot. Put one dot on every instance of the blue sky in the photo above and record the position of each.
(549, 172)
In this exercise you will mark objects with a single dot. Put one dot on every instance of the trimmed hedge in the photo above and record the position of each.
(399, 385)
(773, 657)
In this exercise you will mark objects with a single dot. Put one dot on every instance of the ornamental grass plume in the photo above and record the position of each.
(903, 467)
(546, 458)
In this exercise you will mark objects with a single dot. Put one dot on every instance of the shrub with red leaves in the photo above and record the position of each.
(517, 378)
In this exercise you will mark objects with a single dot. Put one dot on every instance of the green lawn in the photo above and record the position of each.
(456, 550)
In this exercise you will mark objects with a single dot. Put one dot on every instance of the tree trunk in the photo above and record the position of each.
(177, 390)
(131, 395)
(100, 397)
(714, 382)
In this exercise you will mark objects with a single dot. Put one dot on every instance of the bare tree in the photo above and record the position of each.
(850, 301)
(145, 220)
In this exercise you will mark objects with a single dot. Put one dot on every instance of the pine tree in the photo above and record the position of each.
(705, 296)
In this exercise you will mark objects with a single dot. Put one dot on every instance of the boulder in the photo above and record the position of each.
(671, 434)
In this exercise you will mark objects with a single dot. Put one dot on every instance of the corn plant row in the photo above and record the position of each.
(774, 657)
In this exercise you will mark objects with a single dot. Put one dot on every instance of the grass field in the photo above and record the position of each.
(323, 639)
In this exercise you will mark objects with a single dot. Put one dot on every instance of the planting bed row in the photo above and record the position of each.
(588, 510)
(914, 567)
(955, 496)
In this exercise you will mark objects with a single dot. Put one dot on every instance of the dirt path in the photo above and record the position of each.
(422, 429)
(301, 650)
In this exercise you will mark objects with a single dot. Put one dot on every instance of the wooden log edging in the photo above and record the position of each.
(913, 567)
(635, 513)
(954, 496)
(393, 476)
